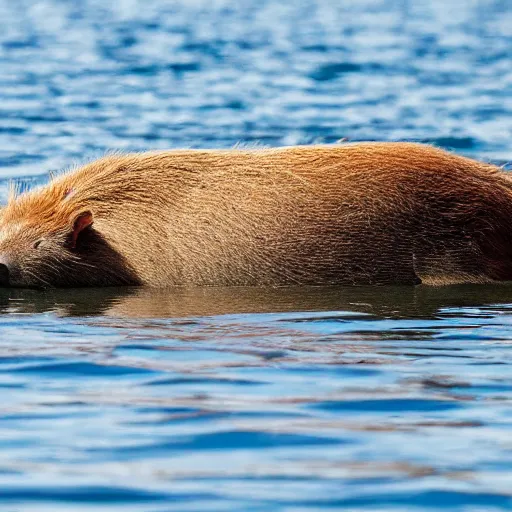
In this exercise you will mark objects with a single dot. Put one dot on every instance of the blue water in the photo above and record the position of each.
(290, 399)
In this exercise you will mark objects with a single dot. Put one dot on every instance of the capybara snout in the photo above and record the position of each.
(4, 275)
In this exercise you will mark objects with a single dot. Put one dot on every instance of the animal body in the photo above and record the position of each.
(365, 213)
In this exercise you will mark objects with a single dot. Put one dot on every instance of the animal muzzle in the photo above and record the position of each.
(4, 275)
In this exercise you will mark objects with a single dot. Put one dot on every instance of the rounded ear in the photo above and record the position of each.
(82, 220)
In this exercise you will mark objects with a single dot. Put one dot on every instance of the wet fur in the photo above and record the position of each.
(368, 213)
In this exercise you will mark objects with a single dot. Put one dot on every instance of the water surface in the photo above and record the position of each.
(373, 398)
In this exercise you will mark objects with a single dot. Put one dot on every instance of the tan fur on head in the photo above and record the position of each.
(367, 213)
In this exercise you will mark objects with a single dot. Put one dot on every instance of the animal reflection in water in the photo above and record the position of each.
(140, 303)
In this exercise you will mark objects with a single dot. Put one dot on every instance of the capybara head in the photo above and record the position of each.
(47, 240)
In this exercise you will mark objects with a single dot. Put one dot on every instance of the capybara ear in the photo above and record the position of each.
(82, 220)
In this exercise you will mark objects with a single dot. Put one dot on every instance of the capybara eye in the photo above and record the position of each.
(37, 244)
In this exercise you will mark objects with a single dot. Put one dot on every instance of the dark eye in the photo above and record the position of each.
(37, 244)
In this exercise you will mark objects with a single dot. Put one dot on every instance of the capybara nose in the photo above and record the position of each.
(4, 275)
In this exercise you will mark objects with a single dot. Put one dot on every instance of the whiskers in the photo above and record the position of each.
(39, 281)
(53, 268)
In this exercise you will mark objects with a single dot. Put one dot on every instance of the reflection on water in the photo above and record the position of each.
(386, 301)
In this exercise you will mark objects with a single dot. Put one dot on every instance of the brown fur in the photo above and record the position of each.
(368, 213)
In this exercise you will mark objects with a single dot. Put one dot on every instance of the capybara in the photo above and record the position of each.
(363, 213)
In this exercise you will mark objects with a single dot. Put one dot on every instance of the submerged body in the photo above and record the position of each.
(368, 213)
